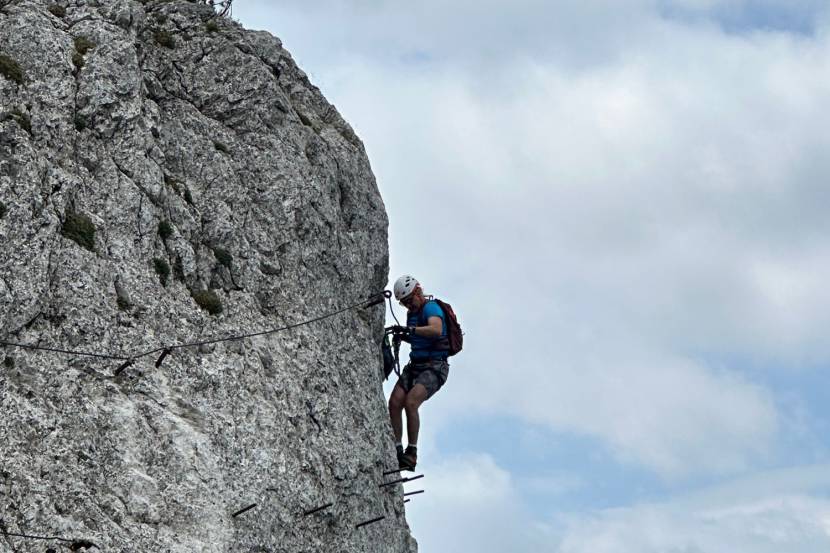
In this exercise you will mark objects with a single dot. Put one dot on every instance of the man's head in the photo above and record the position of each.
(408, 291)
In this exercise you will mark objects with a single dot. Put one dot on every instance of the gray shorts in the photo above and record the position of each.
(431, 374)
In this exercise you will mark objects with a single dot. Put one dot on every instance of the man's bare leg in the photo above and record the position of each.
(416, 396)
(396, 405)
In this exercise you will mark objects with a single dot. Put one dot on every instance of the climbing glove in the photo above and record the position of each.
(405, 332)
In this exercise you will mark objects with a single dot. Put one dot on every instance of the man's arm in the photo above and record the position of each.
(433, 329)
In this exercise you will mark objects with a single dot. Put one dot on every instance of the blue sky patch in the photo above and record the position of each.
(749, 17)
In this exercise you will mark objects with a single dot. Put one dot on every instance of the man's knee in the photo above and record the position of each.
(415, 398)
(398, 399)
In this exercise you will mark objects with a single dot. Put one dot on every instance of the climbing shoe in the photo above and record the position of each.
(399, 451)
(409, 459)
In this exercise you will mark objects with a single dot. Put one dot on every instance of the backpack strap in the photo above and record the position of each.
(443, 341)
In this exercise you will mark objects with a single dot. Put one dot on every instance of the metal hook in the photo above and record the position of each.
(401, 481)
(312, 511)
(123, 367)
(370, 521)
(239, 512)
(164, 354)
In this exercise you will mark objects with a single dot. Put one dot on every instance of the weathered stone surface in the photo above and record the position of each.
(204, 152)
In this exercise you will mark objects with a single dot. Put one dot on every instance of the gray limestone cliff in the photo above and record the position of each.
(167, 177)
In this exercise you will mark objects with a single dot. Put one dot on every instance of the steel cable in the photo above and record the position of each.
(372, 300)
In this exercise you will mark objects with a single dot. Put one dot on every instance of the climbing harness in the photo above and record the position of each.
(391, 348)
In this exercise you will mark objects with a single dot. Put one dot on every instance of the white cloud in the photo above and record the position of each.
(661, 195)
(471, 504)
(766, 513)
(792, 524)
(670, 415)
(616, 209)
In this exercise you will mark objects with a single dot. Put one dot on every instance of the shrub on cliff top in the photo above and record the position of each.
(222, 7)
(10, 69)
(79, 227)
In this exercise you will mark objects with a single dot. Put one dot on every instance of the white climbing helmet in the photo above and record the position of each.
(405, 286)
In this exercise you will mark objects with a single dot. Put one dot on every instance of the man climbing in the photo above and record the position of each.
(427, 370)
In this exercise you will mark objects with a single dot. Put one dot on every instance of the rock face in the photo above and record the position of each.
(166, 178)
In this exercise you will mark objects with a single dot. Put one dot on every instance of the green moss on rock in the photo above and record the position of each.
(178, 269)
(223, 256)
(57, 10)
(23, 120)
(207, 300)
(179, 188)
(3, 210)
(82, 46)
(165, 230)
(173, 183)
(11, 70)
(162, 270)
(164, 38)
(79, 228)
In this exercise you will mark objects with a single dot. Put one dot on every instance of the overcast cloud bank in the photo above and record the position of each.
(648, 230)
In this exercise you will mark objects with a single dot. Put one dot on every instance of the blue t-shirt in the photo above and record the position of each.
(422, 347)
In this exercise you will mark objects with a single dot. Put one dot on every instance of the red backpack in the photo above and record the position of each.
(455, 336)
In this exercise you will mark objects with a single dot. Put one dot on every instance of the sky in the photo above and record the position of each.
(625, 202)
